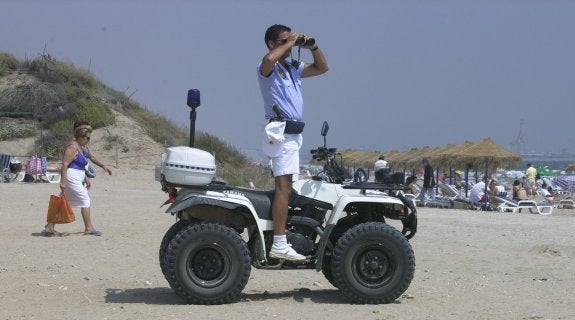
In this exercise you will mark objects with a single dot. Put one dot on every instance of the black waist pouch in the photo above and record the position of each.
(294, 127)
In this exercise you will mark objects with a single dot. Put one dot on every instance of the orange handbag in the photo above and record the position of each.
(59, 210)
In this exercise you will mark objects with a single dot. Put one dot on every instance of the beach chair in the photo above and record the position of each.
(450, 191)
(5, 167)
(449, 195)
(429, 202)
(566, 204)
(411, 197)
(560, 203)
(37, 167)
(49, 174)
(438, 202)
(564, 185)
(510, 205)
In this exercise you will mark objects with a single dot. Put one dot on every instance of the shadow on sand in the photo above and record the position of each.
(166, 296)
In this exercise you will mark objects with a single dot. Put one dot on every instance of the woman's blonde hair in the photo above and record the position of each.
(82, 131)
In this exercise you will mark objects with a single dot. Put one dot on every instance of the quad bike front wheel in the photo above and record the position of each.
(207, 263)
(373, 263)
(326, 270)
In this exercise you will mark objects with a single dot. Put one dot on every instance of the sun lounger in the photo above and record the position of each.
(411, 197)
(438, 203)
(5, 168)
(566, 204)
(52, 177)
(564, 185)
(560, 203)
(510, 205)
(48, 174)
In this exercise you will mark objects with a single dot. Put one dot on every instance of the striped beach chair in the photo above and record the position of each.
(5, 167)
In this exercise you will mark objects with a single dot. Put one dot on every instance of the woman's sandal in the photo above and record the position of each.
(48, 233)
(93, 233)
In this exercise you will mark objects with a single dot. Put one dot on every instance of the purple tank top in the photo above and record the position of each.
(79, 163)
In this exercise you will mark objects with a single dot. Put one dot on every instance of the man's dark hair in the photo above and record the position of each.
(273, 32)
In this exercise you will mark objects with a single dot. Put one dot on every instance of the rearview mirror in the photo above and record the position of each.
(324, 128)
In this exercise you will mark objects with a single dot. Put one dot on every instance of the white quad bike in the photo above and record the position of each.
(340, 226)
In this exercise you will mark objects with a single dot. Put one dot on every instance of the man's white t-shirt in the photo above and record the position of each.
(380, 164)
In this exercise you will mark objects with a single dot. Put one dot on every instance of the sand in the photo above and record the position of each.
(469, 264)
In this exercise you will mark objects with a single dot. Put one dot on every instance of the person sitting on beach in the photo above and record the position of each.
(519, 193)
(411, 182)
(477, 193)
(381, 170)
(547, 193)
(496, 189)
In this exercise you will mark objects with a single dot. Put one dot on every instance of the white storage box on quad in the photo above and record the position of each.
(188, 166)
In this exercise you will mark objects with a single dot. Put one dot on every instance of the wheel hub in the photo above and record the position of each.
(373, 265)
(207, 264)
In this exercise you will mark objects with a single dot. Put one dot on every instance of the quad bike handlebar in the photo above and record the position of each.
(333, 170)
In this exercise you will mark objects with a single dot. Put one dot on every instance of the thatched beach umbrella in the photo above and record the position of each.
(391, 155)
(436, 156)
(396, 160)
(401, 160)
(488, 153)
(415, 161)
(570, 168)
(447, 157)
(364, 159)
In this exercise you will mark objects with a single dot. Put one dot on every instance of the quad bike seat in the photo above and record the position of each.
(262, 201)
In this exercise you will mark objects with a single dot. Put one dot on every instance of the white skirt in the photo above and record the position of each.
(76, 192)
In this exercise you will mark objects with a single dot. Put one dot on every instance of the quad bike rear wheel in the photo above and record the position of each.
(373, 263)
(172, 231)
(208, 263)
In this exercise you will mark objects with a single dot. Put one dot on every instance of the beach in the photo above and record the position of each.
(469, 264)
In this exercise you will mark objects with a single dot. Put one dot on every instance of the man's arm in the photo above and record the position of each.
(275, 54)
(319, 65)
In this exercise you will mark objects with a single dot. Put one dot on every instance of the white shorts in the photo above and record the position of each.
(288, 160)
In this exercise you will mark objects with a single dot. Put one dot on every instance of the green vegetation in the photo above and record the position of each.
(7, 62)
(55, 94)
(16, 130)
(95, 113)
(3, 68)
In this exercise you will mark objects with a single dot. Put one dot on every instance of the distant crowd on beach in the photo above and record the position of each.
(428, 186)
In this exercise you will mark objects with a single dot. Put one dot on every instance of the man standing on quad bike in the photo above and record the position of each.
(280, 84)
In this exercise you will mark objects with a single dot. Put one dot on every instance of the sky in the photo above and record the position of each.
(402, 73)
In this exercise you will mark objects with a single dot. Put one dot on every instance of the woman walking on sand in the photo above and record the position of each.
(74, 183)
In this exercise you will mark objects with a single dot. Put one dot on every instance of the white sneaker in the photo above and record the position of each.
(287, 253)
